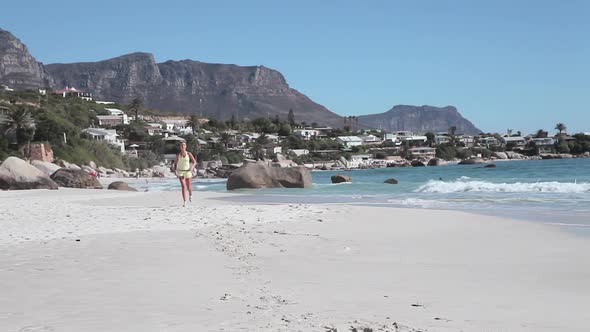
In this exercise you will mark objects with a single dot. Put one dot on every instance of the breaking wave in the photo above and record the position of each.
(469, 185)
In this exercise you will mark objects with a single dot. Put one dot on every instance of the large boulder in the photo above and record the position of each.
(417, 163)
(514, 155)
(45, 167)
(120, 185)
(17, 174)
(472, 161)
(339, 178)
(391, 181)
(490, 166)
(92, 165)
(72, 178)
(500, 155)
(257, 175)
(436, 162)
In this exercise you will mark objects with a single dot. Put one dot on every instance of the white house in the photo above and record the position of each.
(107, 135)
(424, 152)
(488, 141)
(177, 125)
(370, 139)
(441, 139)
(518, 141)
(73, 92)
(110, 120)
(392, 138)
(545, 145)
(404, 136)
(118, 112)
(349, 141)
(306, 134)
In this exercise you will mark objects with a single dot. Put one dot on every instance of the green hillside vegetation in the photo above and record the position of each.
(46, 119)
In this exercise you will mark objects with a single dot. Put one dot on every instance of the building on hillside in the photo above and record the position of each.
(323, 131)
(408, 136)
(545, 144)
(73, 92)
(154, 130)
(110, 120)
(305, 134)
(370, 139)
(517, 141)
(6, 88)
(180, 126)
(488, 141)
(349, 141)
(118, 112)
(104, 102)
(390, 137)
(466, 140)
(441, 139)
(423, 152)
(108, 135)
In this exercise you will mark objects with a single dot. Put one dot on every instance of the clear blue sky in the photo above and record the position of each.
(504, 64)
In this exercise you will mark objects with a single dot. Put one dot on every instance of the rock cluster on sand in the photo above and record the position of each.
(120, 185)
(339, 178)
(259, 175)
(72, 178)
(45, 167)
(17, 174)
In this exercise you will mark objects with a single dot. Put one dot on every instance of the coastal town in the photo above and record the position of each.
(137, 133)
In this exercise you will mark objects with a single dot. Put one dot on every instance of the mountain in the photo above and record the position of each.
(419, 119)
(191, 87)
(18, 68)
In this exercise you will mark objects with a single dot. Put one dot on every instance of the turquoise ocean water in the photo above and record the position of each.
(550, 191)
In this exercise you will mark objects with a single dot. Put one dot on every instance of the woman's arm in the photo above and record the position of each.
(176, 165)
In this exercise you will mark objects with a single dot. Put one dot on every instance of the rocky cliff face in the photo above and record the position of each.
(18, 68)
(419, 119)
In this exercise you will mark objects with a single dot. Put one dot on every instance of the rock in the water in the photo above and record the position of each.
(490, 166)
(391, 181)
(16, 174)
(339, 178)
(472, 161)
(45, 167)
(257, 175)
(436, 162)
(72, 178)
(120, 185)
(417, 163)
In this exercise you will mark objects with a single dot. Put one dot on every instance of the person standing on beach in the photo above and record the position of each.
(183, 166)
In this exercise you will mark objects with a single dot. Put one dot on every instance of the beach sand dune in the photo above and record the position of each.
(91, 260)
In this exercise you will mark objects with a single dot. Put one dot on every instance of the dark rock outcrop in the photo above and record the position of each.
(73, 178)
(391, 181)
(258, 175)
(419, 119)
(120, 185)
(490, 166)
(417, 163)
(18, 68)
(436, 162)
(339, 178)
(17, 174)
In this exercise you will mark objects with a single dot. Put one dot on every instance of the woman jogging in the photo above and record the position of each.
(183, 165)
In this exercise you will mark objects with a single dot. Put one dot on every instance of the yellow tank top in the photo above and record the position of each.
(184, 163)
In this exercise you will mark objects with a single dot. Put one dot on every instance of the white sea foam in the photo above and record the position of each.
(468, 185)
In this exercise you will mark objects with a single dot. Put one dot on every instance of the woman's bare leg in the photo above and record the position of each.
(189, 186)
(182, 184)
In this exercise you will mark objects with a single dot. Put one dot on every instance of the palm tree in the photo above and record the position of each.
(20, 122)
(429, 138)
(561, 127)
(225, 138)
(135, 107)
(193, 121)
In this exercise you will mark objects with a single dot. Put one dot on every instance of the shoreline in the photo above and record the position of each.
(144, 263)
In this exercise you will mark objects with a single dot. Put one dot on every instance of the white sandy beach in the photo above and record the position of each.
(98, 260)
